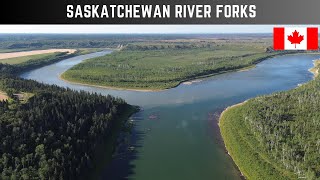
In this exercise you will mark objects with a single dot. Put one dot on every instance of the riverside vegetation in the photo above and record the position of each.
(276, 136)
(54, 133)
(157, 66)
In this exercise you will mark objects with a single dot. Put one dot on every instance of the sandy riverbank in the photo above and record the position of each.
(229, 107)
(191, 82)
(315, 70)
(110, 87)
(35, 52)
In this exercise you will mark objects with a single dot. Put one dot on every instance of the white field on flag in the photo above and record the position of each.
(288, 31)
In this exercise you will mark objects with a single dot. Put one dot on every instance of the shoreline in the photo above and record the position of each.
(314, 70)
(107, 87)
(188, 81)
(104, 152)
(225, 147)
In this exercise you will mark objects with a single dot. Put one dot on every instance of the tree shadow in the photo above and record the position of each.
(121, 167)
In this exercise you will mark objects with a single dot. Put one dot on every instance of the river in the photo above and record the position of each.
(176, 135)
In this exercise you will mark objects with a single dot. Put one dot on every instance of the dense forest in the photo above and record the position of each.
(55, 133)
(276, 136)
(159, 66)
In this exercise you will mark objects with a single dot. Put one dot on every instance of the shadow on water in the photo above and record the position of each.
(213, 118)
(121, 167)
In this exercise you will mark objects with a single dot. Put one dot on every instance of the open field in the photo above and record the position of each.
(35, 52)
(276, 136)
(3, 96)
(23, 59)
(165, 65)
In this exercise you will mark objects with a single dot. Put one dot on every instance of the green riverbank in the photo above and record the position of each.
(275, 136)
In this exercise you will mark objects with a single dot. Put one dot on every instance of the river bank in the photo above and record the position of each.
(187, 81)
(238, 142)
(104, 153)
(107, 87)
(315, 70)
(182, 118)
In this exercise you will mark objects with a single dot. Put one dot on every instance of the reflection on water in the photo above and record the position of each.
(176, 136)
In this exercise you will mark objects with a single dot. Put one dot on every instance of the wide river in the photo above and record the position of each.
(176, 136)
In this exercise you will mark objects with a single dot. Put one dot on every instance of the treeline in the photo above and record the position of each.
(43, 41)
(56, 133)
(162, 46)
(286, 128)
(60, 41)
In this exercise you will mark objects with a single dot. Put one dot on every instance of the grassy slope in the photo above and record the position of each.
(253, 162)
(162, 69)
(252, 159)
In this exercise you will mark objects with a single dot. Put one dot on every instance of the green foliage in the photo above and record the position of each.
(279, 133)
(56, 132)
(16, 42)
(140, 68)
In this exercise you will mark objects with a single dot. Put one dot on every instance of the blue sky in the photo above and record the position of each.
(128, 29)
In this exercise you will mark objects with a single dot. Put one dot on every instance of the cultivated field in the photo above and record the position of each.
(23, 59)
(36, 52)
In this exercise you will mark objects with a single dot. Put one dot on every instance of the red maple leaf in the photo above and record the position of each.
(295, 38)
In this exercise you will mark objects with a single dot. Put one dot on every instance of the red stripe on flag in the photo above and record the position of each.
(312, 38)
(278, 38)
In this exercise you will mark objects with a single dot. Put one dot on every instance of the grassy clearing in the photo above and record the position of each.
(3, 96)
(151, 68)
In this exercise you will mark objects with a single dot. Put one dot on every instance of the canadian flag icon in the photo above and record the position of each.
(300, 38)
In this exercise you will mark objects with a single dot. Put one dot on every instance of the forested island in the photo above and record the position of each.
(48, 132)
(165, 64)
(276, 136)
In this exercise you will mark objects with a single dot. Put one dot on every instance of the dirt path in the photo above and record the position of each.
(36, 52)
